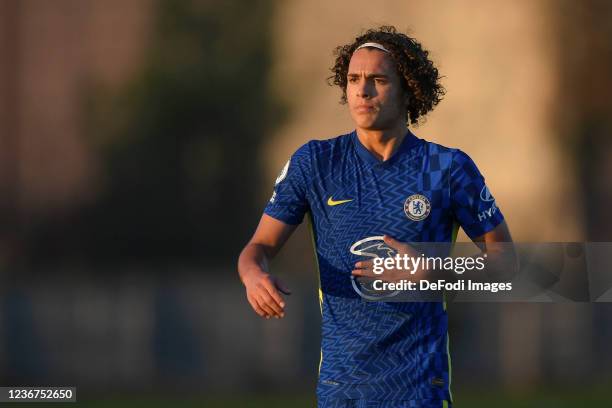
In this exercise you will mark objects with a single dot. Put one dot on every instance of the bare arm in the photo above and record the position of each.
(501, 233)
(502, 263)
(263, 290)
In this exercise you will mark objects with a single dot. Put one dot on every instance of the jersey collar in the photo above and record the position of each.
(409, 141)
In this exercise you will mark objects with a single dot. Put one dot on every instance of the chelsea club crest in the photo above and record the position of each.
(417, 207)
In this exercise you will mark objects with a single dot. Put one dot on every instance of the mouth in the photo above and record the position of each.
(365, 109)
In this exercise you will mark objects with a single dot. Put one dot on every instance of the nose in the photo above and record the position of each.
(363, 89)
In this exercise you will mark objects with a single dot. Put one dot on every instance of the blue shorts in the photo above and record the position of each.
(328, 402)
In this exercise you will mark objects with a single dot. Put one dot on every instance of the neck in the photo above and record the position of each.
(382, 143)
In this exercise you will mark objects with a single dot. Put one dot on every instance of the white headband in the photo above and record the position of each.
(372, 45)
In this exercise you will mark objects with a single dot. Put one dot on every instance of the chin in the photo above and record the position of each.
(364, 123)
(368, 125)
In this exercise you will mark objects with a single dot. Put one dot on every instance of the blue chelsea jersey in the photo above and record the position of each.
(423, 193)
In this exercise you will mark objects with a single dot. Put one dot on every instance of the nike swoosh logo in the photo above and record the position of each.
(331, 202)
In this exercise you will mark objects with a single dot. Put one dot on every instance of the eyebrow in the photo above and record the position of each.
(374, 75)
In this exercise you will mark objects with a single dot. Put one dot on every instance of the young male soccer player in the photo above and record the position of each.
(378, 180)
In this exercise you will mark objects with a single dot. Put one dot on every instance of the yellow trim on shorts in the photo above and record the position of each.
(314, 247)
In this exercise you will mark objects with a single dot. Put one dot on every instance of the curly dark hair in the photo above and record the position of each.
(421, 80)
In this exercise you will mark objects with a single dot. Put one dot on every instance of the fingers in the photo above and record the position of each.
(257, 308)
(266, 301)
(364, 268)
(263, 295)
(269, 311)
(367, 264)
(399, 246)
(392, 242)
(362, 272)
(261, 307)
(272, 298)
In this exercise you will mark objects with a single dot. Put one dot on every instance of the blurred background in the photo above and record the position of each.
(139, 143)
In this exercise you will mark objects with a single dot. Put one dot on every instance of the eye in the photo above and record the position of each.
(353, 80)
(381, 81)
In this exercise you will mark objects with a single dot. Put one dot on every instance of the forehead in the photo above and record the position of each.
(371, 60)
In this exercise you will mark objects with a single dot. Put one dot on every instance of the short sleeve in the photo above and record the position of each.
(289, 201)
(472, 203)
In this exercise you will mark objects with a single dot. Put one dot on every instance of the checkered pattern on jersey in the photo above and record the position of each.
(472, 202)
(373, 350)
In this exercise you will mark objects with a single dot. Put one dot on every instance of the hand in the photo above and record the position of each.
(263, 293)
(366, 268)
